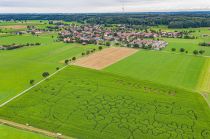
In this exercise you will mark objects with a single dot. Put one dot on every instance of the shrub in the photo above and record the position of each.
(195, 52)
(182, 50)
(201, 52)
(32, 82)
(74, 58)
(173, 49)
(66, 61)
(100, 47)
(45, 74)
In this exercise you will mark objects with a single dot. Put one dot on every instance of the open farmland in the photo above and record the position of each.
(188, 44)
(177, 70)
(85, 103)
(20, 66)
(7, 132)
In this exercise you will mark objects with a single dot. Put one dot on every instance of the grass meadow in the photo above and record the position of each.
(18, 134)
(20, 66)
(178, 70)
(85, 103)
(189, 44)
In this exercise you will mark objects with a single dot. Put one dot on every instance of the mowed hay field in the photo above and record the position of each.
(18, 67)
(178, 70)
(86, 103)
(7, 132)
(105, 58)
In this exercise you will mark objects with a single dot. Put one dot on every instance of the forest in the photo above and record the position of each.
(170, 19)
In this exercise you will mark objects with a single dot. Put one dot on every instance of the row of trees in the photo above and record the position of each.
(195, 52)
(46, 74)
(204, 44)
(83, 54)
(16, 46)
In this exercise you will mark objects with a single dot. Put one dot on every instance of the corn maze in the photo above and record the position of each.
(86, 106)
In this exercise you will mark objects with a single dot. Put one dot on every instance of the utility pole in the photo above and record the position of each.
(123, 6)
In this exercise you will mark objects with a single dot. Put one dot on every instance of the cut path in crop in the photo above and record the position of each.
(106, 57)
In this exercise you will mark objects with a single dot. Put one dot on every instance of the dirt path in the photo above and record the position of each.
(104, 58)
(33, 129)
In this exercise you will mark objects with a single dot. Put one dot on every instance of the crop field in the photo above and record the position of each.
(85, 103)
(14, 27)
(116, 93)
(160, 67)
(7, 132)
(20, 66)
(105, 58)
(11, 26)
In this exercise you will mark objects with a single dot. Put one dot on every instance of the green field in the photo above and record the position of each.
(85, 103)
(189, 44)
(19, 66)
(7, 132)
(176, 70)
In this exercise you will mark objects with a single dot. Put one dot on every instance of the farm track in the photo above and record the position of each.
(33, 129)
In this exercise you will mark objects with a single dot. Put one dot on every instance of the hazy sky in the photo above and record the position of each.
(83, 6)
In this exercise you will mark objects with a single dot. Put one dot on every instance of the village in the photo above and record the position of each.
(96, 34)
(120, 36)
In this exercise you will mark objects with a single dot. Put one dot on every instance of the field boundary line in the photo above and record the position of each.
(25, 91)
(33, 129)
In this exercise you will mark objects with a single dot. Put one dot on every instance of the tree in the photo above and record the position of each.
(87, 52)
(32, 82)
(182, 50)
(173, 49)
(100, 47)
(83, 54)
(66, 61)
(201, 52)
(74, 58)
(136, 45)
(45, 74)
(108, 43)
(195, 52)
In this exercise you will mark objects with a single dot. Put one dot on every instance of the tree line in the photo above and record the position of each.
(170, 19)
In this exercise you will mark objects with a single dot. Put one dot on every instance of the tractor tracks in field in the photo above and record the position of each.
(34, 130)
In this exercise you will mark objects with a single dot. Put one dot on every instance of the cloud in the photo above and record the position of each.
(83, 6)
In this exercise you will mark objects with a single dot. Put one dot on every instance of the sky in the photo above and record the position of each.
(101, 6)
